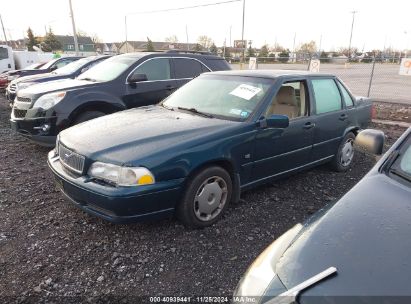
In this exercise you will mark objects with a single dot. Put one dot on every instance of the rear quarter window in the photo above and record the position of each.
(216, 64)
(347, 98)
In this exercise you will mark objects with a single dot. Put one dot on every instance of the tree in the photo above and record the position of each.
(284, 56)
(308, 47)
(277, 48)
(198, 48)
(150, 46)
(32, 41)
(205, 41)
(171, 39)
(50, 42)
(324, 58)
(263, 51)
(227, 53)
(250, 52)
(213, 49)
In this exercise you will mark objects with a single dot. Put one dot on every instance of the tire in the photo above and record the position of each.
(345, 154)
(88, 116)
(206, 198)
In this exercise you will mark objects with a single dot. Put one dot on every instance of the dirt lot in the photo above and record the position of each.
(51, 251)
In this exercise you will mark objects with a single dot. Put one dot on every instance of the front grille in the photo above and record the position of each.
(13, 88)
(23, 99)
(19, 113)
(70, 159)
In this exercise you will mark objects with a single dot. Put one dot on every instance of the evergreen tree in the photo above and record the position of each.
(213, 49)
(51, 43)
(32, 41)
(250, 52)
(284, 56)
(150, 46)
(198, 48)
(263, 51)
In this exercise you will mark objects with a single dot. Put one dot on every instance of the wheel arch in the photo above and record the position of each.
(101, 106)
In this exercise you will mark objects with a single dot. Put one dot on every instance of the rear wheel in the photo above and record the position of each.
(345, 154)
(88, 116)
(206, 197)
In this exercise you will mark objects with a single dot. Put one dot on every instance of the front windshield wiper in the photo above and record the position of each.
(88, 79)
(401, 174)
(195, 111)
(167, 107)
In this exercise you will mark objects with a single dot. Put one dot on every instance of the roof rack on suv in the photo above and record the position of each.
(189, 52)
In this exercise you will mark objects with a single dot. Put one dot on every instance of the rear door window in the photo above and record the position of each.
(327, 95)
(155, 69)
(187, 68)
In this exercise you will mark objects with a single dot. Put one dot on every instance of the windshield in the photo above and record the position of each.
(109, 69)
(48, 64)
(232, 97)
(402, 165)
(74, 66)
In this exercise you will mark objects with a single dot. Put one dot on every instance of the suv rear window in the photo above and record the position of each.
(187, 68)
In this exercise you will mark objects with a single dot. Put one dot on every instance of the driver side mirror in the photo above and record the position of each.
(137, 78)
(371, 141)
(276, 121)
(53, 68)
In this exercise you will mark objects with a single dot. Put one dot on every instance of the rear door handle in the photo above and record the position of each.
(343, 117)
(309, 125)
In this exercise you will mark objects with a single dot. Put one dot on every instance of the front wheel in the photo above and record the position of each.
(206, 197)
(345, 154)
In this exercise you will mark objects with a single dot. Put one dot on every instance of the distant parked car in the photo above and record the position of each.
(46, 68)
(221, 133)
(5, 77)
(121, 82)
(357, 250)
(71, 70)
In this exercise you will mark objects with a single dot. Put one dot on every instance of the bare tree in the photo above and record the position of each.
(308, 47)
(171, 39)
(205, 41)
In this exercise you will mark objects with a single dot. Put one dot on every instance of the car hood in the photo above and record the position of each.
(40, 77)
(57, 85)
(365, 235)
(128, 136)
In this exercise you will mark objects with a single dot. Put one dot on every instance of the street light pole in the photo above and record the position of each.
(352, 28)
(125, 26)
(4, 32)
(242, 36)
(74, 28)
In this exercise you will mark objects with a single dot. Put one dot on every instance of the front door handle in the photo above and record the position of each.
(170, 87)
(309, 125)
(343, 117)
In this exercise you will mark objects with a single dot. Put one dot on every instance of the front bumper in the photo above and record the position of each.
(117, 204)
(32, 129)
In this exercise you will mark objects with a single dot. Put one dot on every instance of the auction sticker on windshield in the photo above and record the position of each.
(245, 91)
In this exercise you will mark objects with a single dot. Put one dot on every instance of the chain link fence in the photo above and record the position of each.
(373, 77)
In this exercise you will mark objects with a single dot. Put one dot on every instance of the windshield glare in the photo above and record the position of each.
(231, 97)
(109, 69)
(73, 66)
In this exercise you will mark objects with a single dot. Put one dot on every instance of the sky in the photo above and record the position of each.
(377, 25)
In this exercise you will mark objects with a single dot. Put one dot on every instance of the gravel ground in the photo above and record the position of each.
(51, 251)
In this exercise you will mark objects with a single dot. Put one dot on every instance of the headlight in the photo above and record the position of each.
(23, 85)
(49, 100)
(121, 176)
(12, 77)
(261, 274)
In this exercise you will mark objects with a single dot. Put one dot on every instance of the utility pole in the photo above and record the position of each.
(230, 36)
(242, 37)
(125, 26)
(188, 45)
(4, 32)
(294, 55)
(352, 28)
(74, 28)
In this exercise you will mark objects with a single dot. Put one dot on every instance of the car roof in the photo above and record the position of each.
(269, 73)
(172, 53)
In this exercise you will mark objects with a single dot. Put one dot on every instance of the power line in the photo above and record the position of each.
(184, 7)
